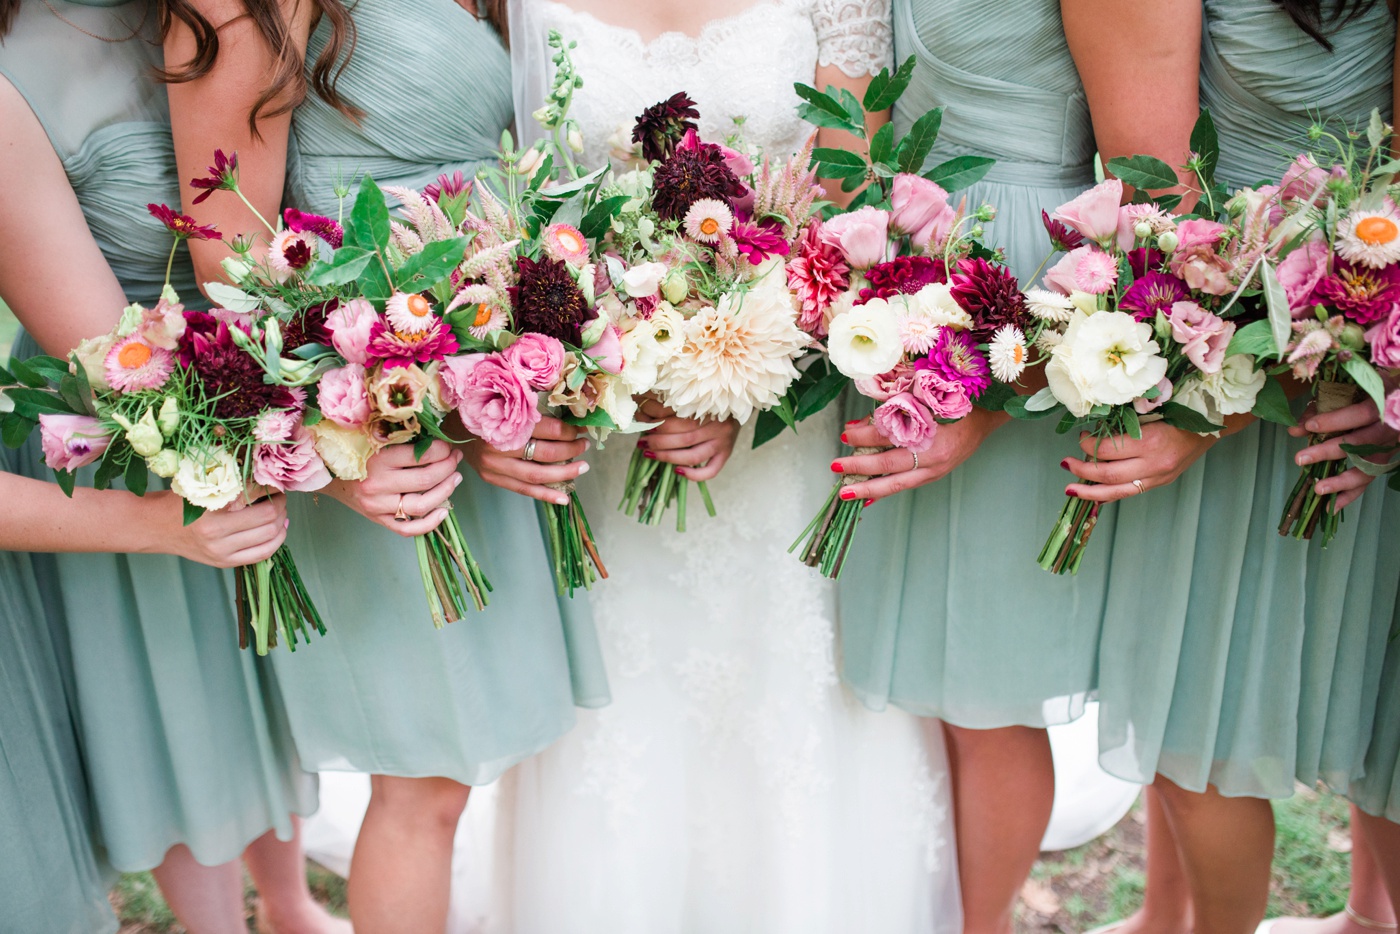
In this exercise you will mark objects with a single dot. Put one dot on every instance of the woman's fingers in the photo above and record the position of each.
(553, 429)
(256, 553)
(422, 525)
(895, 460)
(1122, 471)
(397, 456)
(406, 479)
(710, 469)
(652, 411)
(657, 440)
(1105, 492)
(532, 490)
(1356, 415)
(877, 488)
(551, 452)
(532, 472)
(1112, 448)
(862, 434)
(688, 456)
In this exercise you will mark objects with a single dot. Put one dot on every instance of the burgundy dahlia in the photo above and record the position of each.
(230, 376)
(548, 301)
(1363, 294)
(323, 227)
(1151, 293)
(694, 171)
(990, 294)
(662, 125)
(1063, 237)
(309, 327)
(903, 275)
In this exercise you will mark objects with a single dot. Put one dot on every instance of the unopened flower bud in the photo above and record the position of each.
(676, 286)
(272, 337)
(1142, 230)
(130, 319)
(164, 463)
(169, 417)
(1167, 242)
(235, 269)
(543, 115)
(986, 213)
(594, 331)
(1352, 337)
(575, 139)
(530, 160)
(144, 436)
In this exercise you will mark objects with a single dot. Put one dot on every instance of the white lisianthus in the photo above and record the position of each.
(1049, 306)
(616, 399)
(346, 451)
(164, 463)
(1084, 301)
(641, 356)
(864, 342)
(935, 301)
(668, 329)
(1104, 359)
(1236, 386)
(208, 478)
(143, 435)
(643, 279)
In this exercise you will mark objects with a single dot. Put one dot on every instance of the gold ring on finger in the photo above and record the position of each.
(401, 516)
(1140, 487)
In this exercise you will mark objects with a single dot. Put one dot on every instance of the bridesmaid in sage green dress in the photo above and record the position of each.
(189, 754)
(1235, 662)
(944, 611)
(428, 713)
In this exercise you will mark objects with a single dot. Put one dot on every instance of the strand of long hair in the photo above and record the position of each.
(1319, 17)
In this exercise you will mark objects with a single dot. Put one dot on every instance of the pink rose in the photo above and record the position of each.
(1197, 260)
(72, 441)
(1060, 277)
(538, 357)
(862, 236)
(344, 398)
(920, 209)
(351, 325)
(1384, 338)
(741, 165)
(945, 398)
(291, 465)
(1095, 212)
(1204, 337)
(887, 385)
(607, 351)
(1391, 415)
(1164, 395)
(906, 423)
(492, 399)
(1300, 272)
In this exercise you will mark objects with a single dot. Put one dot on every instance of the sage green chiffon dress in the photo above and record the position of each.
(384, 692)
(944, 611)
(1377, 789)
(184, 736)
(1233, 656)
(50, 879)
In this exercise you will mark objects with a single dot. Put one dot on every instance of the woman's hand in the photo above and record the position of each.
(699, 449)
(894, 471)
(1162, 454)
(1357, 424)
(555, 445)
(396, 480)
(228, 538)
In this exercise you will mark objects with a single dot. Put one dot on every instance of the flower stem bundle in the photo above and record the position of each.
(573, 554)
(653, 487)
(1306, 512)
(826, 540)
(1065, 547)
(272, 599)
(451, 576)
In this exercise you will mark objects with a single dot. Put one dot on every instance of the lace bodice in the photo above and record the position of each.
(740, 69)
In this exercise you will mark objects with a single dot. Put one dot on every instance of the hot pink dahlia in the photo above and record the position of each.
(759, 241)
(818, 274)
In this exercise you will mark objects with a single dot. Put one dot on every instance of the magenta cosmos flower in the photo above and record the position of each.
(182, 226)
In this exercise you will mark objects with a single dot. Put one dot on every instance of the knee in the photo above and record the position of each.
(429, 803)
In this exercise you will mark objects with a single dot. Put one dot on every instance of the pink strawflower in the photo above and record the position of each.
(759, 241)
(396, 349)
(1203, 336)
(945, 398)
(492, 399)
(817, 275)
(71, 441)
(1095, 212)
(1096, 272)
(565, 243)
(133, 365)
(343, 397)
(539, 358)
(906, 423)
(955, 358)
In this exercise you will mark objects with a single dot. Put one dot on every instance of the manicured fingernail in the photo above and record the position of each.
(642, 443)
(1304, 460)
(1071, 493)
(650, 455)
(854, 421)
(868, 502)
(843, 438)
(1311, 425)
(836, 467)
(287, 523)
(680, 471)
(587, 444)
(848, 493)
(1064, 464)
(582, 468)
(456, 480)
(561, 501)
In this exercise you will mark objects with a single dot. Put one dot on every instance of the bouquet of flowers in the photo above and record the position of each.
(709, 324)
(1335, 298)
(176, 393)
(1141, 317)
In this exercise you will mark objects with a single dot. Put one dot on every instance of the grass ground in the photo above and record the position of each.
(1067, 893)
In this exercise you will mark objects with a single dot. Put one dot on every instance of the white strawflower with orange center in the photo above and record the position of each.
(1049, 306)
(1007, 353)
(409, 313)
(707, 220)
(1371, 238)
(489, 318)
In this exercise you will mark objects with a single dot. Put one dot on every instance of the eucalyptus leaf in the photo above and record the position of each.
(230, 297)
(1357, 455)
(1016, 408)
(1131, 425)
(1375, 130)
(1043, 401)
(1146, 172)
(960, 172)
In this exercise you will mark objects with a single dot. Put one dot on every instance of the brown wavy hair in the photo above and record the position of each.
(8, 9)
(1318, 17)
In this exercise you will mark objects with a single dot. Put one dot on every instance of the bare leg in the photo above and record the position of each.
(205, 899)
(1368, 895)
(1003, 789)
(1166, 903)
(401, 872)
(1381, 869)
(285, 904)
(1226, 847)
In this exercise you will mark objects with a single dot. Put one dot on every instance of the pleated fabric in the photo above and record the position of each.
(944, 611)
(384, 692)
(184, 737)
(1377, 790)
(1232, 656)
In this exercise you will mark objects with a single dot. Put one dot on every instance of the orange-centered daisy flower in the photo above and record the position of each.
(409, 313)
(1371, 238)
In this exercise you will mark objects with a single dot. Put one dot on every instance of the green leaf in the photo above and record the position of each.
(80, 377)
(1067, 422)
(15, 429)
(311, 416)
(1271, 404)
(885, 88)
(369, 219)
(112, 466)
(1255, 339)
(421, 445)
(67, 480)
(1016, 407)
(136, 476)
(33, 402)
(68, 390)
(960, 172)
(767, 427)
(1367, 378)
(433, 263)
(1375, 130)
(821, 393)
(6, 377)
(918, 142)
(1146, 172)
(1358, 457)
(1131, 425)
(995, 397)
(882, 144)
(1205, 143)
(192, 512)
(1167, 202)
(345, 266)
(1188, 419)
(595, 223)
(842, 157)
(854, 111)
(822, 102)
(598, 418)
(1276, 300)
(543, 173)
(25, 373)
(1042, 401)
(374, 283)
(224, 295)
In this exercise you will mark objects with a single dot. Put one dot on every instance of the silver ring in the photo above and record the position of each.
(916, 459)
(1140, 487)
(529, 452)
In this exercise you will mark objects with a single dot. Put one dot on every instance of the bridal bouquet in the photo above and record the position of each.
(708, 321)
(174, 392)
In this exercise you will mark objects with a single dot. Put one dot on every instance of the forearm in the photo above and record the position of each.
(39, 517)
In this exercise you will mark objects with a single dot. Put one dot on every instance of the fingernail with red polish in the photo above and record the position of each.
(836, 467)
(848, 493)
(680, 471)
(1070, 493)
(1064, 464)
(843, 438)
(868, 502)
(854, 421)
(650, 455)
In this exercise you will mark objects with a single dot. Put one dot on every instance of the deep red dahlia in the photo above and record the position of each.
(694, 171)
(990, 294)
(229, 375)
(903, 275)
(548, 301)
(662, 125)
(309, 327)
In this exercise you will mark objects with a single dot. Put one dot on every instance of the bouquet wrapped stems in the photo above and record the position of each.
(451, 575)
(826, 540)
(572, 551)
(1064, 549)
(653, 487)
(271, 597)
(1307, 512)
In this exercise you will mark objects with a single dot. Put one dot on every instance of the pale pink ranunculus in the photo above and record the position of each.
(1060, 277)
(351, 326)
(906, 423)
(887, 385)
(291, 465)
(920, 209)
(606, 351)
(1095, 212)
(945, 398)
(1384, 338)
(71, 441)
(1299, 273)
(492, 399)
(343, 396)
(1164, 395)
(862, 236)
(1391, 415)
(1204, 336)
(538, 357)
(1197, 259)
